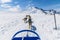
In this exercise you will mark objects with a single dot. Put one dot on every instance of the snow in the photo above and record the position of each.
(11, 23)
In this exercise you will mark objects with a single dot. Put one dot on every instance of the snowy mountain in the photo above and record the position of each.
(11, 22)
(51, 12)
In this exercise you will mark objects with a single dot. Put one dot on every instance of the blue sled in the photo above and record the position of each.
(26, 38)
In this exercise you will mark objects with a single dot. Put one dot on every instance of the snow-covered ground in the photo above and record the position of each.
(11, 23)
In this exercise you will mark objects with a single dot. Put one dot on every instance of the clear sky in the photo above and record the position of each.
(45, 4)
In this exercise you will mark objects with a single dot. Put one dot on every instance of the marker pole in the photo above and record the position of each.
(55, 21)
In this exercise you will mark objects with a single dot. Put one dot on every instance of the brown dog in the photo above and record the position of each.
(28, 20)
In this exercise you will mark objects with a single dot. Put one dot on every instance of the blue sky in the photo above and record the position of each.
(44, 4)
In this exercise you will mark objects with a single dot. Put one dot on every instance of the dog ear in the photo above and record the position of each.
(25, 19)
